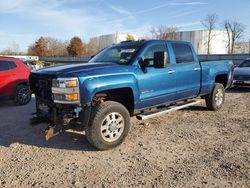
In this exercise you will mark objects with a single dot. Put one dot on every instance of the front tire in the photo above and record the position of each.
(109, 125)
(22, 95)
(217, 97)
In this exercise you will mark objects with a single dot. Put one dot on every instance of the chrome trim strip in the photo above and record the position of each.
(57, 90)
(171, 72)
(67, 102)
(167, 110)
(196, 69)
(70, 78)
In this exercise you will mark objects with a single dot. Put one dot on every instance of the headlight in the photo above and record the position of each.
(66, 90)
(65, 82)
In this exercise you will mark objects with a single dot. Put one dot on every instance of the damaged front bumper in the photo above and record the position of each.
(59, 116)
(58, 103)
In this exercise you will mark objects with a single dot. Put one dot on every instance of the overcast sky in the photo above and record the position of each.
(23, 21)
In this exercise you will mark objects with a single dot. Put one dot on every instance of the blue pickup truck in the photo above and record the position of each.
(127, 79)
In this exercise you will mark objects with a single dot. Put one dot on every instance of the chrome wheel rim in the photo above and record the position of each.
(112, 127)
(219, 97)
(23, 95)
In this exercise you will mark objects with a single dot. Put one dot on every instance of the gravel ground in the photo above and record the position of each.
(189, 148)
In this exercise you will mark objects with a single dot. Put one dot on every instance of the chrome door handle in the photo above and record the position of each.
(171, 72)
(196, 69)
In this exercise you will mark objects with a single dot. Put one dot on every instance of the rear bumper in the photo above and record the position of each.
(241, 83)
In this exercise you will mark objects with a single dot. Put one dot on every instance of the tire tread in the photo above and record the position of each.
(96, 114)
(210, 103)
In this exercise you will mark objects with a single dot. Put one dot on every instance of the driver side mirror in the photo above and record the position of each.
(143, 62)
(160, 59)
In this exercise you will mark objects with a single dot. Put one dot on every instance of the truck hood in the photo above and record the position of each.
(83, 69)
(242, 71)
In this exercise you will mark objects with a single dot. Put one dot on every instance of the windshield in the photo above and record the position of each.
(120, 54)
(245, 64)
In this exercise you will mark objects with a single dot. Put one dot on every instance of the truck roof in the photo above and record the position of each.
(141, 42)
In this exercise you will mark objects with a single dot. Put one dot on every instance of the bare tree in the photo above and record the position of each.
(210, 24)
(153, 32)
(164, 32)
(31, 50)
(48, 46)
(167, 32)
(93, 46)
(12, 49)
(248, 45)
(245, 45)
(56, 47)
(226, 26)
(235, 31)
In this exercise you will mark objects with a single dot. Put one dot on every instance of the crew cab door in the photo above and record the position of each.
(156, 85)
(188, 71)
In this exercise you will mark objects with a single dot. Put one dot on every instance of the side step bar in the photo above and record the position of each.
(167, 110)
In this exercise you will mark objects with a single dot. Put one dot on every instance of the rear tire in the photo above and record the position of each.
(216, 98)
(22, 95)
(109, 125)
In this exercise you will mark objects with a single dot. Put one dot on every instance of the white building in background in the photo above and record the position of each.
(199, 40)
(109, 39)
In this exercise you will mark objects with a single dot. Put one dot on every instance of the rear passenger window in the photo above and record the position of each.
(12, 65)
(183, 53)
(7, 65)
(4, 65)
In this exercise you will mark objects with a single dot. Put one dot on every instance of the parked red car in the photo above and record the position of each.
(14, 75)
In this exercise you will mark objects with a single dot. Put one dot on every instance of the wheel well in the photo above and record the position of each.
(122, 95)
(18, 84)
(222, 79)
(22, 83)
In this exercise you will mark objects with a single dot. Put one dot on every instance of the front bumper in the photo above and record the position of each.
(56, 113)
(62, 114)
